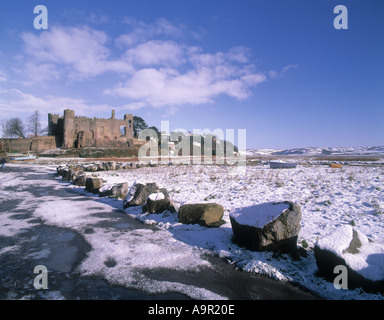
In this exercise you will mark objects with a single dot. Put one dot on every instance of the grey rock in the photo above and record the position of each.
(120, 190)
(272, 226)
(159, 202)
(91, 168)
(80, 180)
(138, 194)
(93, 184)
(205, 214)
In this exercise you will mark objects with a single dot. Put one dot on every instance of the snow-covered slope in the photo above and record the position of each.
(378, 150)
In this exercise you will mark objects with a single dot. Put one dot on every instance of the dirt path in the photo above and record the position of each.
(27, 241)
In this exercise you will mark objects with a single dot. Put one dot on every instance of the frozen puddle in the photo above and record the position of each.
(57, 249)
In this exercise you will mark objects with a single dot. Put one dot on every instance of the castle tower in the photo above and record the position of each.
(69, 116)
(113, 114)
(128, 118)
(52, 123)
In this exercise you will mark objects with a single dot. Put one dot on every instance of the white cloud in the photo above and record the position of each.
(200, 79)
(158, 71)
(156, 52)
(75, 52)
(162, 87)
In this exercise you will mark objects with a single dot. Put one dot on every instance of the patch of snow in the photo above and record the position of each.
(156, 196)
(337, 242)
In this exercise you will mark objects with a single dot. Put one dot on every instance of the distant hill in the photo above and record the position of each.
(377, 150)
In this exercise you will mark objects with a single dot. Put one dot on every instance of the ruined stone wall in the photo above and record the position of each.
(80, 132)
(35, 144)
(44, 143)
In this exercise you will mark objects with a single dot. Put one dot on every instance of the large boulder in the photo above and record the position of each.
(91, 168)
(93, 184)
(80, 180)
(271, 226)
(66, 174)
(138, 194)
(60, 169)
(363, 259)
(118, 190)
(205, 214)
(69, 173)
(109, 165)
(159, 202)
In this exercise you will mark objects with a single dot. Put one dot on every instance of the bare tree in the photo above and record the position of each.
(4, 129)
(15, 127)
(34, 124)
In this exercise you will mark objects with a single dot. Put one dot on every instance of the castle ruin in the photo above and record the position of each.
(72, 131)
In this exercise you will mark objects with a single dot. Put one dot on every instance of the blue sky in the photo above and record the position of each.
(277, 68)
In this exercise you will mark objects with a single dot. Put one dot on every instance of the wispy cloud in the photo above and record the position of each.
(275, 74)
(158, 68)
(3, 76)
(141, 31)
(14, 102)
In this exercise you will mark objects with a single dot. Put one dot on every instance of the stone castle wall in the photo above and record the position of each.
(72, 131)
(34, 144)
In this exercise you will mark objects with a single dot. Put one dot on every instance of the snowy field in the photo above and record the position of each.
(329, 197)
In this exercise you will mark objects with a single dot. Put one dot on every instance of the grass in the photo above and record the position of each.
(376, 208)
(93, 153)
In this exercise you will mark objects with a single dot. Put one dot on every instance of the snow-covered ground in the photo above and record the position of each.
(329, 198)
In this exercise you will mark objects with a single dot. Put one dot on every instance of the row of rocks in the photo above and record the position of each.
(68, 173)
(150, 197)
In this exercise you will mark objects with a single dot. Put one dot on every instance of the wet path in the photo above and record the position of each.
(26, 240)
